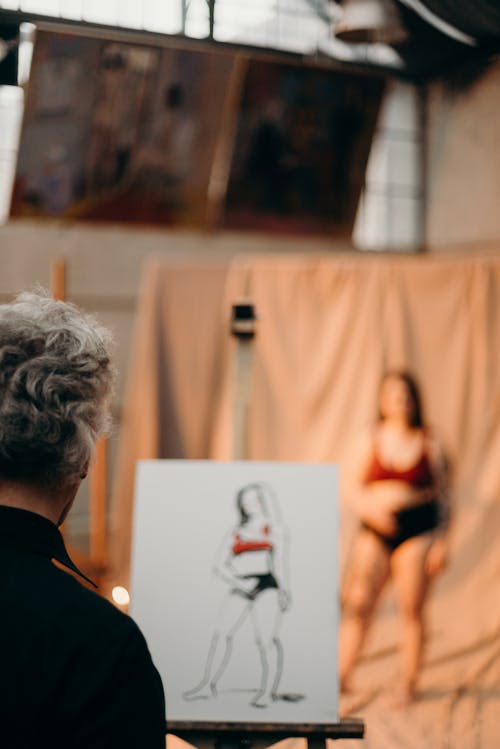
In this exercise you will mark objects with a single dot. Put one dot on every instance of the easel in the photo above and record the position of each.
(215, 735)
(207, 734)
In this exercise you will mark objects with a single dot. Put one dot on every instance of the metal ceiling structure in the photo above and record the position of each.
(480, 19)
(438, 33)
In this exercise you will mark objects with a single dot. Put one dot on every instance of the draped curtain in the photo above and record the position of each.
(329, 326)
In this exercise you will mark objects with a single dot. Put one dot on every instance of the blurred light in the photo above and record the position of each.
(381, 55)
(26, 42)
(120, 595)
(365, 21)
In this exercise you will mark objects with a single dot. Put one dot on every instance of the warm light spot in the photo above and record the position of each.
(120, 595)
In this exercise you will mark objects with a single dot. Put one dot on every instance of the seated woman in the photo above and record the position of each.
(402, 504)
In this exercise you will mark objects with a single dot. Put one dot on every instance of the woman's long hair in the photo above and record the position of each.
(240, 505)
(415, 417)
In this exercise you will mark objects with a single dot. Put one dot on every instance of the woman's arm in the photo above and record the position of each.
(438, 552)
(440, 472)
(368, 504)
(223, 565)
(281, 563)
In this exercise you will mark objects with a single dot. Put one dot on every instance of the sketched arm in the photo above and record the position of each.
(281, 564)
(223, 565)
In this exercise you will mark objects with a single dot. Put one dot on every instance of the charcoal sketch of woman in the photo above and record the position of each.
(252, 561)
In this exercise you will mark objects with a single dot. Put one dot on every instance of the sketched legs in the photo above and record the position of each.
(266, 619)
(234, 612)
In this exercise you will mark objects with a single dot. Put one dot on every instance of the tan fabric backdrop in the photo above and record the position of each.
(329, 326)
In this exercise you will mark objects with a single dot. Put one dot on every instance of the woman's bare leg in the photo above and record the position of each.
(234, 612)
(366, 576)
(411, 583)
(266, 619)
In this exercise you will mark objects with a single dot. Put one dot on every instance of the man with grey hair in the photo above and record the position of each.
(75, 672)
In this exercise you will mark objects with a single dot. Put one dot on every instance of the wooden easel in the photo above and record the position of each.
(214, 735)
(207, 735)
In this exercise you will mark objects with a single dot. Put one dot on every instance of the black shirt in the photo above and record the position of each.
(74, 671)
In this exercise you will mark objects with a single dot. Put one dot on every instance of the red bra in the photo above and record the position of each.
(418, 475)
(240, 544)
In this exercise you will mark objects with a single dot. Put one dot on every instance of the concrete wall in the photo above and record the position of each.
(104, 263)
(463, 161)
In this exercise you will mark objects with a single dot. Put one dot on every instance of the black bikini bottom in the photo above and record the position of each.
(262, 582)
(412, 521)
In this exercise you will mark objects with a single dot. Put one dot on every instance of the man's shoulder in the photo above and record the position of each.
(60, 603)
(63, 622)
(81, 605)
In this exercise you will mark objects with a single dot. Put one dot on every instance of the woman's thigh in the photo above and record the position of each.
(411, 580)
(235, 609)
(266, 614)
(367, 572)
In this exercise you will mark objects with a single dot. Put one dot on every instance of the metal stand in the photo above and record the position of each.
(243, 324)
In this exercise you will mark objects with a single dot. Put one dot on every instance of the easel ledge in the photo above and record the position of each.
(350, 728)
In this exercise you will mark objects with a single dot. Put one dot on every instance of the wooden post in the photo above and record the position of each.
(98, 471)
(58, 286)
(243, 328)
(58, 279)
(221, 165)
(97, 510)
(316, 743)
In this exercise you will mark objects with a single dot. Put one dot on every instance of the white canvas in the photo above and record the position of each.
(239, 606)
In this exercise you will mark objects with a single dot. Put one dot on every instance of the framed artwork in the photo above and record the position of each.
(131, 131)
(235, 586)
(302, 146)
(118, 131)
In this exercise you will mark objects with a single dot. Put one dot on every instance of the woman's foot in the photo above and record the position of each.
(345, 686)
(261, 699)
(201, 692)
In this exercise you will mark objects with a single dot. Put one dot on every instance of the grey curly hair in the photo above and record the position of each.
(56, 379)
